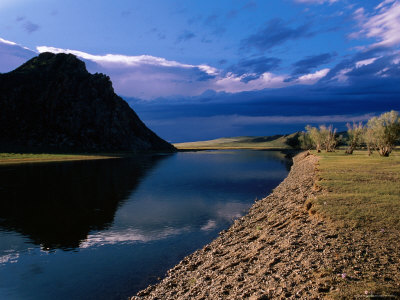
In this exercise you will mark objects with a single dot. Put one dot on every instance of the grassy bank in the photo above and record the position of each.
(361, 196)
(360, 191)
(18, 158)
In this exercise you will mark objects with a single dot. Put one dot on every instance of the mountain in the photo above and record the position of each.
(52, 103)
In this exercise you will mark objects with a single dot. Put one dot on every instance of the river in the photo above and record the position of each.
(105, 229)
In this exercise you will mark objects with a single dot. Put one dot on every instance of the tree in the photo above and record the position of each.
(384, 132)
(356, 133)
(305, 141)
(369, 140)
(329, 136)
(322, 137)
(315, 136)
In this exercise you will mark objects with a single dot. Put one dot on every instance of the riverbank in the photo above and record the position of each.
(283, 249)
(21, 158)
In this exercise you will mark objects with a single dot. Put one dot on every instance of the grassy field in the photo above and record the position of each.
(18, 158)
(241, 142)
(360, 195)
(362, 191)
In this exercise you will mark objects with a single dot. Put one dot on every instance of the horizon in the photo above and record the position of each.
(201, 71)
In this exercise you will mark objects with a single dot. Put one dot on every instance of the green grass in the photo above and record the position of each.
(17, 158)
(360, 191)
(241, 142)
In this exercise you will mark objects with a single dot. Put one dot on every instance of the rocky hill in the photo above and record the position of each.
(52, 103)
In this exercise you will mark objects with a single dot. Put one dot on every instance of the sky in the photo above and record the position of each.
(197, 70)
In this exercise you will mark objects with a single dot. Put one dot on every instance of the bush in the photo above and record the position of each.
(383, 132)
(322, 137)
(355, 136)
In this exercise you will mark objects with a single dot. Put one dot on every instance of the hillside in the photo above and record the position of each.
(289, 141)
(53, 104)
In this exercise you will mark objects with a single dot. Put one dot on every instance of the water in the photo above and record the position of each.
(106, 229)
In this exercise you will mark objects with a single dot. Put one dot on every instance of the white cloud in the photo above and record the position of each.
(383, 24)
(7, 42)
(149, 77)
(117, 59)
(312, 77)
(232, 83)
(341, 76)
(366, 62)
(13, 55)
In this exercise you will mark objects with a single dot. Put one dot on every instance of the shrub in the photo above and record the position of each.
(355, 133)
(383, 132)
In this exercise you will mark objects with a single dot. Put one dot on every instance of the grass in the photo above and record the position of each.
(18, 158)
(361, 191)
(241, 142)
(361, 195)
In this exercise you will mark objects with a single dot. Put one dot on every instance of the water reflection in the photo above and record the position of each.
(57, 205)
(128, 221)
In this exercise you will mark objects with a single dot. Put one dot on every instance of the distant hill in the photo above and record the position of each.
(289, 141)
(52, 103)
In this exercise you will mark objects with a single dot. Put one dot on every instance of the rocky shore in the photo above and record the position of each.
(281, 249)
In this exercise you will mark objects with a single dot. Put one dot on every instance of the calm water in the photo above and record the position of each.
(106, 229)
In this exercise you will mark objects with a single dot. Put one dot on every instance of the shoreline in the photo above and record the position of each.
(254, 257)
(282, 248)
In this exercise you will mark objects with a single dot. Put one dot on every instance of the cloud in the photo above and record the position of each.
(211, 20)
(306, 65)
(383, 24)
(13, 55)
(31, 27)
(274, 33)
(185, 36)
(365, 62)
(134, 76)
(254, 67)
(250, 5)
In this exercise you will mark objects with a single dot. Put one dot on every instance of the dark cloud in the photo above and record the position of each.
(295, 102)
(160, 35)
(126, 13)
(219, 31)
(254, 67)
(306, 65)
(350, 63)
(274, 33)
(31, 27)
(194, 19)
(370, 89)
(250, 5)
(222, 61)
(185, 36)
(211, 20)
(232, 14)
(206, 40)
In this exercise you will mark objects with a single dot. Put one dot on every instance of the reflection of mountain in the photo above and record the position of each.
(57, 205)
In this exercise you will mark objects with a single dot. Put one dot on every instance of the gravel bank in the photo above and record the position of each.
(281, 250)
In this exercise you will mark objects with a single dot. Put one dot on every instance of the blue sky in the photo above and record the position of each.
(205, 69)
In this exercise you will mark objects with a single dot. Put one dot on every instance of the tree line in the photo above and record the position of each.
(379, 134)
